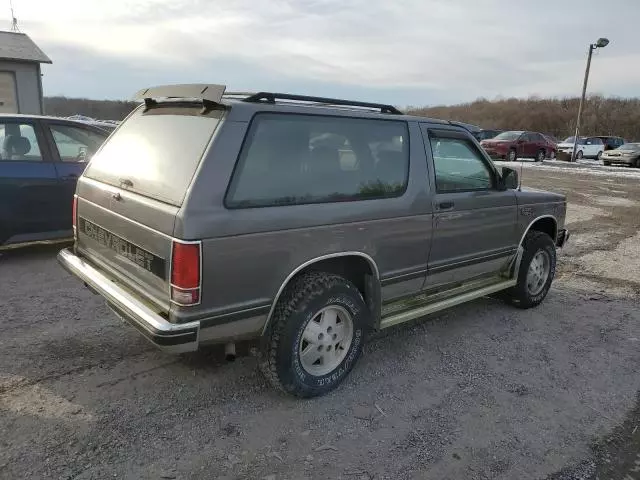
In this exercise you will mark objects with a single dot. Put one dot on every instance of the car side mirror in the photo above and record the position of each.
(509, 179)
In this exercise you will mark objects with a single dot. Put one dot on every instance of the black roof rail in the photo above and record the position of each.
(269, 97)
(238, 94)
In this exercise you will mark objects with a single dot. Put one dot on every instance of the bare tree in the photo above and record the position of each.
(553, 116)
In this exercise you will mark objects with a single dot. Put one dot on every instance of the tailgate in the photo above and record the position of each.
(133, 188)
(128, 235)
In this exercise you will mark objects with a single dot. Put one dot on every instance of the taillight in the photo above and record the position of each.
(74, 213)
(185, 273)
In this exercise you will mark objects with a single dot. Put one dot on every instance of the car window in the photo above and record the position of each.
(157, 149)
(508, 136)
(75, 144)
(301, 159)
(18, 142)
(459, 166)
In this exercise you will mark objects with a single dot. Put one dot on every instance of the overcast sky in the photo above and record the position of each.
(411, 52)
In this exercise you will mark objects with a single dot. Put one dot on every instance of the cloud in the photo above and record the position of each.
(449, 49)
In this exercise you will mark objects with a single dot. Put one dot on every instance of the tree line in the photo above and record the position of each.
(98, 109)
(553, 116)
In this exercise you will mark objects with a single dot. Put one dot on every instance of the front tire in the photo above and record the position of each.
(512, 155)
(537, 270)
(316, 335)
(579, 155)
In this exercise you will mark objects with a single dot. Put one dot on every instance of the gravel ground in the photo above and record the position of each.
(482, 391)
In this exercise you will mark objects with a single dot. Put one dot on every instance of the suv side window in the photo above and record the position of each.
(300, 159)
(459, 167)
(18, 142)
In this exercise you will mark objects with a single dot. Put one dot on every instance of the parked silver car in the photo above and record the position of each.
(627, 154)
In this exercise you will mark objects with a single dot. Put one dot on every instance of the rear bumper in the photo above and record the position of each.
(621, 160)
(171, 337)
(563, 238)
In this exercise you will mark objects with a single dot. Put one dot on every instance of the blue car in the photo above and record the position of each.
(41, 159)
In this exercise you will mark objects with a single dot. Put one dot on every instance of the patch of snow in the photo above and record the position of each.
(556, 166)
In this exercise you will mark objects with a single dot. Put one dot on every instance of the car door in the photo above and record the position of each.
(539, 143)
(523, 145)
(532, 144)
(73, 146)
(474, 229)
(29, 190)
(599, 147)
(593, 145)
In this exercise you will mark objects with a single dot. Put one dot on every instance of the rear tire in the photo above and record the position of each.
(541, 155)
(599, 155)
(552, 155)
(316, 335)
(537, 270)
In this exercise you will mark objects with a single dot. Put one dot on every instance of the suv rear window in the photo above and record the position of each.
(157, 151)
(298, 159)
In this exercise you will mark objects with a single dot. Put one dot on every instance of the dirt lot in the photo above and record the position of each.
(482, 391)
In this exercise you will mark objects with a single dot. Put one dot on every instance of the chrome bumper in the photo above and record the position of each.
(171, 337)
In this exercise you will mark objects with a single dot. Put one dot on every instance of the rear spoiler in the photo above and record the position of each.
(210, 95)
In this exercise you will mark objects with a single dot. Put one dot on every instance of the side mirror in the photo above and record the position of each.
(509, 178)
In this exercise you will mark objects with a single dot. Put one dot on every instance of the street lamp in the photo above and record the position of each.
(601, 43)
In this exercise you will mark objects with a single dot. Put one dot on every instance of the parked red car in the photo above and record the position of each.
(512, 145)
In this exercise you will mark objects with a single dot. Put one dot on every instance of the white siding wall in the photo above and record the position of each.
(28, 85)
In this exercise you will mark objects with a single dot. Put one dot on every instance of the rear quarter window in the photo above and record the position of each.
(157, 151)
(300, 159)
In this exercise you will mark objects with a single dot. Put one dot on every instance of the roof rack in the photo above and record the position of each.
(269, 97)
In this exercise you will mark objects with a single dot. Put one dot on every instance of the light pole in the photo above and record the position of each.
(601, 43)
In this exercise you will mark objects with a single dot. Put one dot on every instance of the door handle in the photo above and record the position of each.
(445, 205)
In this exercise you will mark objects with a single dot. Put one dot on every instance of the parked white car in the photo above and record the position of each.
(588, 147)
